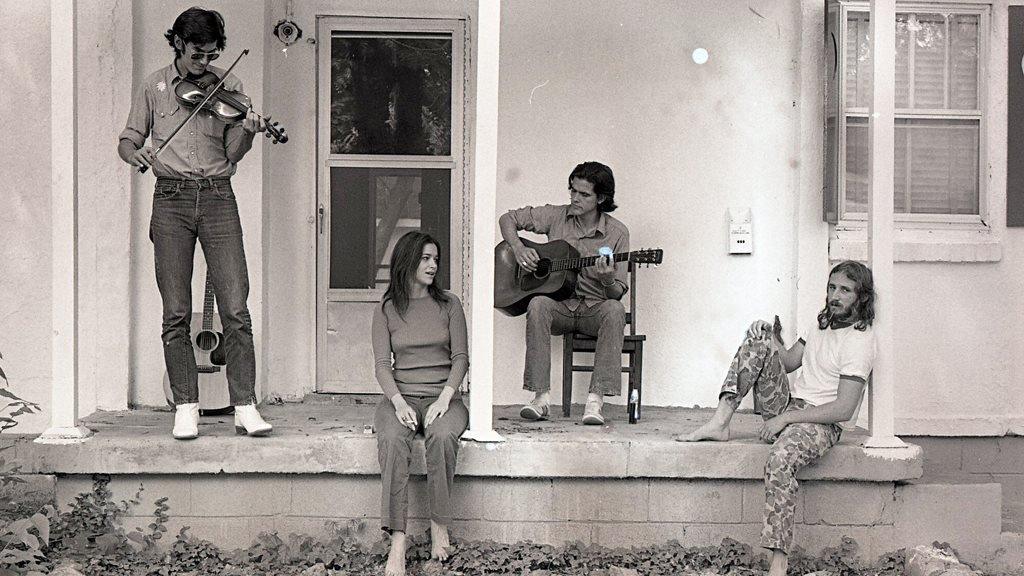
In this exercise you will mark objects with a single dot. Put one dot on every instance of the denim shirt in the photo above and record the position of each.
(204, 148)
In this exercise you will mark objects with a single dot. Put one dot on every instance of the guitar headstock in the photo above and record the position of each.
(646, 256)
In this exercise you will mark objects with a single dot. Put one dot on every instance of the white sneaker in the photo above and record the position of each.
(592, 411)
(248, 421)
(186, 421)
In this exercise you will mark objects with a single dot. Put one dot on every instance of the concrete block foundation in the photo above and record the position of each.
(232, 509)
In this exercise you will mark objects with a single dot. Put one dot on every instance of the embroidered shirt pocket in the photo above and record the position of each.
(166, 118)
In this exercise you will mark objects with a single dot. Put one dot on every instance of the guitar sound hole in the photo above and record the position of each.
(543, 269)
(206, 341)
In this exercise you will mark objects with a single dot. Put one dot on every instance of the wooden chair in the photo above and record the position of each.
(633, 345)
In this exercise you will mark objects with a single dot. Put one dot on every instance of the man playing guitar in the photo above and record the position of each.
(194, 200)
(595, 308)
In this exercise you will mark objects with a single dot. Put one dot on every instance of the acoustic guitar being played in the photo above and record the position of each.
(555, 276)
(208, 346)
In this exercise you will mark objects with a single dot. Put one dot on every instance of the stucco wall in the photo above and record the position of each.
(25, 308)
(686, 142)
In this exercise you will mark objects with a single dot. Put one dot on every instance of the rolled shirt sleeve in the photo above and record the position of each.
(537, 219)
(140, 118)
(622, 268)
(237, 140)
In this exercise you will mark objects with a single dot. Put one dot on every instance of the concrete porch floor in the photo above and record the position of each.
(325, 433)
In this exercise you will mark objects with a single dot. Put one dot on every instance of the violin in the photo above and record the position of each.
(229, 106)
(207, 93)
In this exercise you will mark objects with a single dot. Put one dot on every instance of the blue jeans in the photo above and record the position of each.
(604, 320)
(183, 211)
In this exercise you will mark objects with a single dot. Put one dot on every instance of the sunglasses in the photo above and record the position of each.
(209, 56)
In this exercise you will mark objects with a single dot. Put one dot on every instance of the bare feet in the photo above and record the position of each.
(711, 430)
(396, 556)
(439, 542)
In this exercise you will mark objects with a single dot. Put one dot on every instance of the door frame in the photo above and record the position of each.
(457, 162)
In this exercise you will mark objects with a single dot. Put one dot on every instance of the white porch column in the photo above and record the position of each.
(485, 157)
(64, 209)
(881, 145)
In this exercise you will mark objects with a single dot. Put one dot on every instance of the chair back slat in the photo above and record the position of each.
(631, 316)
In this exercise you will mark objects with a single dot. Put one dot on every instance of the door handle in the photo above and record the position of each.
(320, 216)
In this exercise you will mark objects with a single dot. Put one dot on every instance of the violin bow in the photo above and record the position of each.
(142, 169)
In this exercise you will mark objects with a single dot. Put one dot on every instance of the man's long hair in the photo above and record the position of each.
(405, 260)
(197, 26)
(603, 180)
(865, 288)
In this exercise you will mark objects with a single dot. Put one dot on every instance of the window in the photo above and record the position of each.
(940, 116)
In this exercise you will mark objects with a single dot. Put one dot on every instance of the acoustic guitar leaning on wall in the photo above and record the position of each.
(208, 345)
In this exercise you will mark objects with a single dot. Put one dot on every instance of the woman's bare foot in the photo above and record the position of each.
(439, 541)
(396, 557)
(711, 430)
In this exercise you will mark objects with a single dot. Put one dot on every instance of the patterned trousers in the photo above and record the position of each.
(757, 366)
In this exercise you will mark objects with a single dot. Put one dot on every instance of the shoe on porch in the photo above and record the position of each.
(537, 409)
(186, 421)
(592, 411)
(248, 421)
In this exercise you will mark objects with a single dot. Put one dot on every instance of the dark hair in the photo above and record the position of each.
(865, 307)
(197, 26)
(405, 259)
(604, 183)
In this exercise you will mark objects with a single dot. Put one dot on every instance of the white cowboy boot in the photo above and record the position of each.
(248, 421)
(186, 421)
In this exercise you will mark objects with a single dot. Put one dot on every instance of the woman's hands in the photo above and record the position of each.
(405, 414)
(439, 406)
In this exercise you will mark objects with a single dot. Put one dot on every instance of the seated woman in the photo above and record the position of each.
(424, 329)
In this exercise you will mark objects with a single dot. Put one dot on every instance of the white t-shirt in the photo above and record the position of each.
(829, 354)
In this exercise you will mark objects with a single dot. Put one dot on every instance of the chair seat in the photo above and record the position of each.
(583, 343)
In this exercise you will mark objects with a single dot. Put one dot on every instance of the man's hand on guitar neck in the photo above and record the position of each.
(605, 270)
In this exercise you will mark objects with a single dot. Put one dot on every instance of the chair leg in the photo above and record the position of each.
(567, 373)
(638, 369)
(630, 385)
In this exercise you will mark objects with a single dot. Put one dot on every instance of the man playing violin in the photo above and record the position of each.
(595, 309)
(194, 200)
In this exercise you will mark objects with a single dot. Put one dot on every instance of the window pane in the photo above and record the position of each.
(929, 50)
(963, 62)
(856, 165)
(903, 43)
(391, 93)
(936, 61)
(371, 208)
(943, 159)
(858, 60)
(936, 166)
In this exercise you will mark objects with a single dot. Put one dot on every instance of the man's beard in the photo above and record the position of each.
(838, 313)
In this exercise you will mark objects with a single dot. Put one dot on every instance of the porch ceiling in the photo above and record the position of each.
(324, 434)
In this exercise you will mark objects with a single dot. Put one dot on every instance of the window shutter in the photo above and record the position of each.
(1015, 120)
